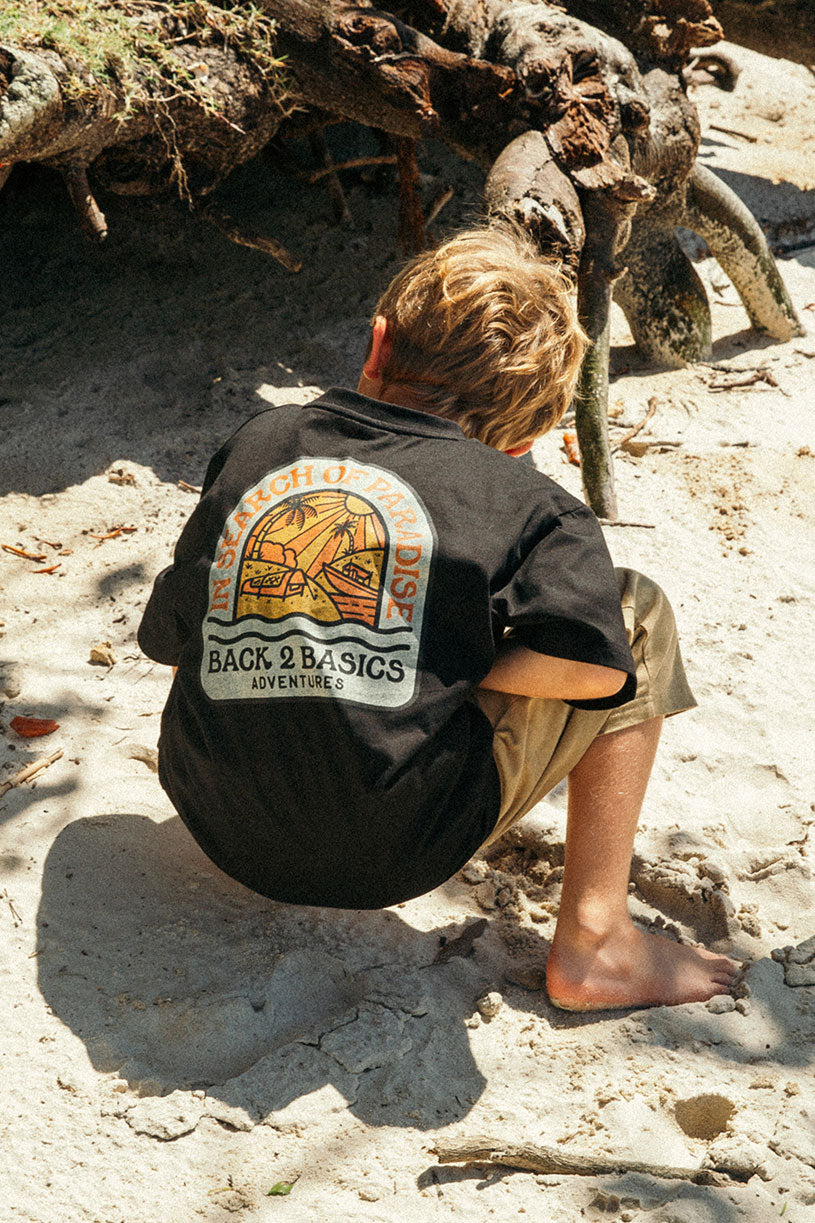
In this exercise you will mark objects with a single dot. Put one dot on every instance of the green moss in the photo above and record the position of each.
(126, 47)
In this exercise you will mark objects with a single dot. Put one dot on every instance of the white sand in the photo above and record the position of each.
(173, 1046)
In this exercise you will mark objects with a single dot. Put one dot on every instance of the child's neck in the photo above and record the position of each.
(396, 393)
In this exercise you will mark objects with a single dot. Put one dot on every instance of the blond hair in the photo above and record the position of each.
(485, 332)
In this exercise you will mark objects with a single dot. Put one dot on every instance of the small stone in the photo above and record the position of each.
(102, 655)
(705, 1116)
(721, 1004)
(490, 1004)
(742, 1006)
(791, 1089)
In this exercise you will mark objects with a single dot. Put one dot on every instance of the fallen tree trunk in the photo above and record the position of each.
(591, 150)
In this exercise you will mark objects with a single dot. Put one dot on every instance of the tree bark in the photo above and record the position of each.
(527, 185)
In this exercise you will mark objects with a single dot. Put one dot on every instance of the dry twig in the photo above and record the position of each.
(618, 522)
(548, 1160)
(411, 223)
(653, 404)
(733, 131)
(440, 199)
(29, 771)
(383, 159)
(336, 194)
(28, 556)
(269, 246)
(749, 379)
(113, 533)
(18, 921)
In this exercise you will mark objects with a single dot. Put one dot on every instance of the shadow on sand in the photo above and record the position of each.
(176, 977)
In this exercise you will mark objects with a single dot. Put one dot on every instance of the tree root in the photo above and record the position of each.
(269, 246)
(577, 136)
(736, 241)
(718, 66)
(91, 217)
(339, 204)
(411, 223)
(663, 298)
(527, 1157)
(607, 215)
(661, 295)
(526, 185)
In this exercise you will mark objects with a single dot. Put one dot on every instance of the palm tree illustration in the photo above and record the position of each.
(344, 532)
(297, 509)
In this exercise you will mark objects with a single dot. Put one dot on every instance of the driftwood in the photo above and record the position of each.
(528, 1157)
(579, 119)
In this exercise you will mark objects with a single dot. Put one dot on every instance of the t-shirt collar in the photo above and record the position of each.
(388, 415)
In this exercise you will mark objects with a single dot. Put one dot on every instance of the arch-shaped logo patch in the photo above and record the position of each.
(318, 587)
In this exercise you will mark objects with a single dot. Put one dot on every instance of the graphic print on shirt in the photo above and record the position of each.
(318, 587)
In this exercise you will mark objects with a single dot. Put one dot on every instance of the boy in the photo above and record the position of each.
(391, 641)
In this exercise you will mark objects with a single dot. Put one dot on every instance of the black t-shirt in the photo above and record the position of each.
(335, 598)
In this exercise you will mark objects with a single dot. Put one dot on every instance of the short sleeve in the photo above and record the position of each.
(160, 635)
(563, 599)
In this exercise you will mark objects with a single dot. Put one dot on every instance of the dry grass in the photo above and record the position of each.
(126, 47)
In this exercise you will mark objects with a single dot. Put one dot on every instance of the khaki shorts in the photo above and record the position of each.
(538, 742)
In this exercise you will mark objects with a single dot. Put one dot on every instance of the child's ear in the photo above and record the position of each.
(380, 352)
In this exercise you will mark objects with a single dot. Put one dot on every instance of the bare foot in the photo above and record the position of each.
(627, 967)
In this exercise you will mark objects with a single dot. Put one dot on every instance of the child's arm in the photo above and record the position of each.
(524, 672)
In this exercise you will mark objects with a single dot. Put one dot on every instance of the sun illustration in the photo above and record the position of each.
(355, 505)
(317, 554)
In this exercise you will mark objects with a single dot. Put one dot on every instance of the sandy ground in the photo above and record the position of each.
(174, 1046)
